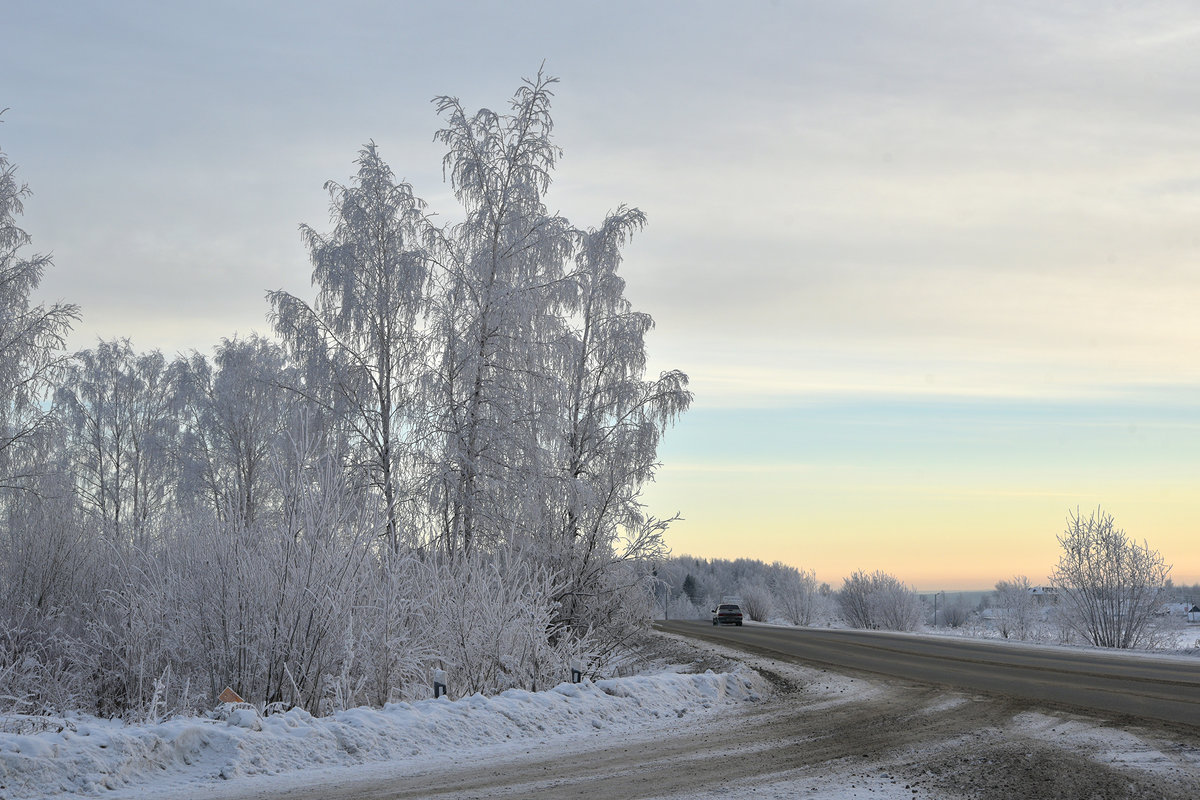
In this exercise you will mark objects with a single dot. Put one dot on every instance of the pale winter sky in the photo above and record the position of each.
(934, 268)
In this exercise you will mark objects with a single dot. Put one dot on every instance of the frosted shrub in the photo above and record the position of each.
(272, 615)
(493, 621)
(680, 607)
(956, 614)
(797, 596)
(38, 673)
(756, 602)
(1111, 586)
(878, 601)
(51, 575)
(1016, 613)
(611, 613)
(392, 626)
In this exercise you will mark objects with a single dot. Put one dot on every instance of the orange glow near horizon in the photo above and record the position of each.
(932, 538)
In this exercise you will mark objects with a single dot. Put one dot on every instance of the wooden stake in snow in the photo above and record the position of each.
(229, 696)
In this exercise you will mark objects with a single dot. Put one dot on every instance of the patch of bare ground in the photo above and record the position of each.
(1007, 768)
(1060, 755)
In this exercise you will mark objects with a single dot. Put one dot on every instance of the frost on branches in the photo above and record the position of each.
(358, 346)
(31, 337)
(438, 466)
(1112, 586)
(878, 601)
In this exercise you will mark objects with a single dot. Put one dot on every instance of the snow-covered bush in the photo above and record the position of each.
(798, 597)
(1111, 586)
(956, 613)
(493, 619)
(390, 643)
(878, 601)
(756, 602)
(680, 607)
(51, 575)
(1016, 614)
(38, 669)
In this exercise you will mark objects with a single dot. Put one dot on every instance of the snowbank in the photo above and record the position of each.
(86, 755)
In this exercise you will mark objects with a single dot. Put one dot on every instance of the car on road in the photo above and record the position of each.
(727, 614)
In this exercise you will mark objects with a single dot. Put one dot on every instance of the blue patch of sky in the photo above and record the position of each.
(1114, 435)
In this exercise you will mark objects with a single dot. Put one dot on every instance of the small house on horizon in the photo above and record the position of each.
(1174, 609)
(1043, 595)
(1188, 611)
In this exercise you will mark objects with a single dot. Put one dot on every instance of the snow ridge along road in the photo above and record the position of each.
(1163, 690)
(285, 754)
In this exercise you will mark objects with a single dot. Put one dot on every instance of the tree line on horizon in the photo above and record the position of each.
(1107, 590)
(437, 461)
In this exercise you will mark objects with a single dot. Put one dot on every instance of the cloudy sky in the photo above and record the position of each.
(933, 268)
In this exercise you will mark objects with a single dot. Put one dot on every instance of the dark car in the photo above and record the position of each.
(727, 614)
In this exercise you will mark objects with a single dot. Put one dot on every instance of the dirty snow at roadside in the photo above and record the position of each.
(80, 755)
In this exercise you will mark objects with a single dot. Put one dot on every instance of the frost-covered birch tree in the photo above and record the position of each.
(610, 419)
(498, 302)
(31, 340)
(359, 345)
(441, 464)
(237, 408)
(121, 409)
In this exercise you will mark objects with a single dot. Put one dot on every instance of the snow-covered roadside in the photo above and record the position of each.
(87, 756)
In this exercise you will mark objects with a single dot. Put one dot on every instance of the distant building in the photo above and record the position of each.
(1188, 611)
(1044, 595)
(1175, 610)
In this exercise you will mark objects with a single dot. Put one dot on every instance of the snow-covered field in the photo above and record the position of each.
(78, 755)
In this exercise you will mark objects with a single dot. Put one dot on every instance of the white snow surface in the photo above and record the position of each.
(86, 756)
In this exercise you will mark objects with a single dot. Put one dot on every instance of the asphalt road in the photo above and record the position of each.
(1162, 690)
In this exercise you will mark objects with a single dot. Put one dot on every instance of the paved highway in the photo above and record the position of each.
(1165, 690)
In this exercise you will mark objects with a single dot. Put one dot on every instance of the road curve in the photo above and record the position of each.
(1163, 690)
